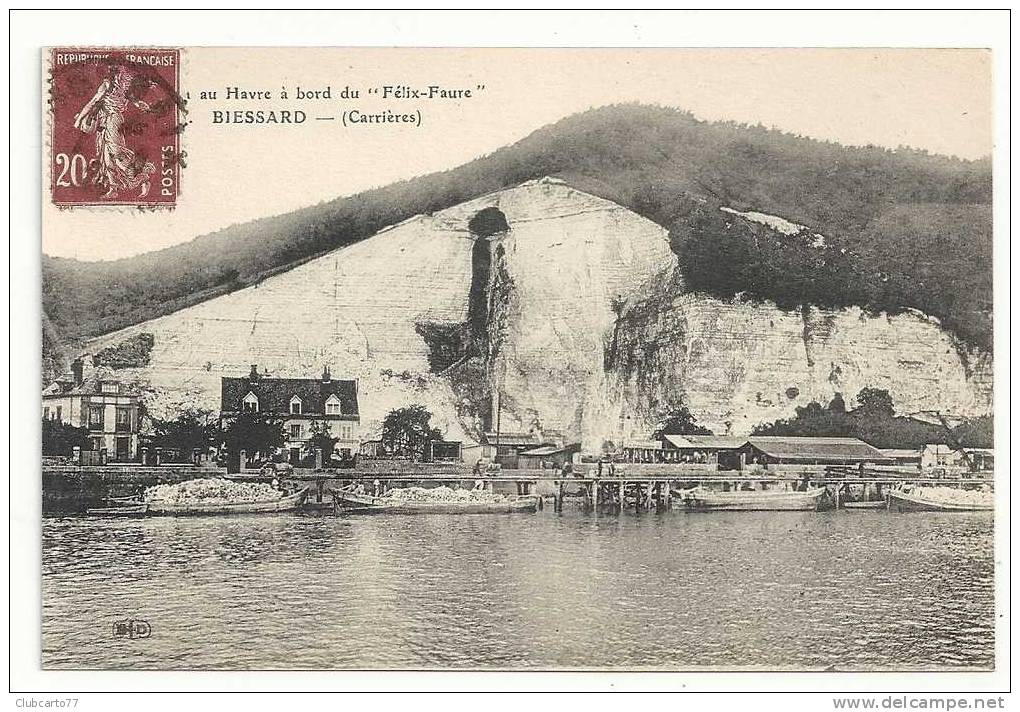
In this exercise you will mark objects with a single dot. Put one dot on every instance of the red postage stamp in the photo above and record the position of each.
(115, 126)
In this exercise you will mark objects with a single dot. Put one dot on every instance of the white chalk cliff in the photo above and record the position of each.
(595, 335)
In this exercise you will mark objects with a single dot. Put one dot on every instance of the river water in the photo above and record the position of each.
(837, 590)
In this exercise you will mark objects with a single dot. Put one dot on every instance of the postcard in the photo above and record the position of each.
(540, 359)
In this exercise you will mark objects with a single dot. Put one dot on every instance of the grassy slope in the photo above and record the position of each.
(876, 202)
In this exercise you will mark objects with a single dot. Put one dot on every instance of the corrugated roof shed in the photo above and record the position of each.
(809, 449)
(545, 450)
(705, 442)
(901, 453)
(511, 439)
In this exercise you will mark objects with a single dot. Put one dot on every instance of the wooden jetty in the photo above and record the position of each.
(637, 486)
(631, 488)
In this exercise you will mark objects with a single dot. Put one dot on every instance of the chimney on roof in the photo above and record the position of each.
(78, 370)
(325, 374)
(254, 371)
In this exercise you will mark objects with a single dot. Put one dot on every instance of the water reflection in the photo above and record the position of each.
(803, 590)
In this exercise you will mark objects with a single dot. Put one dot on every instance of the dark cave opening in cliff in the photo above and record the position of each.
(486, 227)
(451, 346)
(488, 224)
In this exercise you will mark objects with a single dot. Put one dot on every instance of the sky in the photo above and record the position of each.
(938, 100)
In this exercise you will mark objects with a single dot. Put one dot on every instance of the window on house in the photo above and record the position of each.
(95, 417)
(124, 419)
(333, 406)
(46, 413)
(345, 431)
(295, 431)
(59, 416)
(295, 406)
(250, 404)
(110, 388)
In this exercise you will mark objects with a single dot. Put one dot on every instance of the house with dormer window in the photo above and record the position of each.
(100, 402)
(299, 402)
(250, 404)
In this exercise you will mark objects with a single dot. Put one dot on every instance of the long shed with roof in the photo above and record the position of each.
(723, 450)
(780, 450)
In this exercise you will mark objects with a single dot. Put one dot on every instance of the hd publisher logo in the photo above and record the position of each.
(132, 629)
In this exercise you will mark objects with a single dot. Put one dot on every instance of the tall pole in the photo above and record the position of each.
(489, 308)
(499, 410)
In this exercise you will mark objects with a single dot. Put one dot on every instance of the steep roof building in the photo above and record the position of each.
(304, 404)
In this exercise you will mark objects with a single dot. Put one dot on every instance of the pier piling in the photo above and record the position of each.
(69, 486)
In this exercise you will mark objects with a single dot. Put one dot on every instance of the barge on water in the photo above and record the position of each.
(351, 502)
(704, 500)
(126, 509)
(869, 504)
(286, 503)
(283, 504)
(900, 501)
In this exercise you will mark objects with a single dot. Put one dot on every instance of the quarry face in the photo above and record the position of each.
(563, 307)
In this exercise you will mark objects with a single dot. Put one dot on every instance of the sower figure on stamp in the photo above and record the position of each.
(119, 167)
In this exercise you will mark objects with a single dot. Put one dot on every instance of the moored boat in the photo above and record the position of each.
(283, 504)
(351, 502)
(137, 509)
(876, 504)
(900, 501)
(704, 500)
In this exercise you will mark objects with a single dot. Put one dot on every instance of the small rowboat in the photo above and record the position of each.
(122, 510)
(703, 500)
(877, 504)
(363, 503)
(283, 504)
(903, 502)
